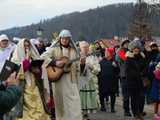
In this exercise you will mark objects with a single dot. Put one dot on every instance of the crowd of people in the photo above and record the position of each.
(85, 77)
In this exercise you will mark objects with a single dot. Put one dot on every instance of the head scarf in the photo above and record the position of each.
(19, 52)
(3, 37)
(66, 33)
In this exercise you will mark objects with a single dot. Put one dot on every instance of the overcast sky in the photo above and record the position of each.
(24, 12)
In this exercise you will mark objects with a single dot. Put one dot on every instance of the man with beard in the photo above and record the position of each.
(101, 47)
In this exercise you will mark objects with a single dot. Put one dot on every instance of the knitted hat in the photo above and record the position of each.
(134, 44)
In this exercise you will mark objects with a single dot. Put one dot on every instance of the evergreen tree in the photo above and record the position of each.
(140, 26)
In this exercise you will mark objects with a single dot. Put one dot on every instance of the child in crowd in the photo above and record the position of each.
(155, 91)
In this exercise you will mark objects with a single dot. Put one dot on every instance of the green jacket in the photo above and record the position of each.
(9, 97)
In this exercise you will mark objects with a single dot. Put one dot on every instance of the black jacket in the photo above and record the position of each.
(108, 76)
(135, 69)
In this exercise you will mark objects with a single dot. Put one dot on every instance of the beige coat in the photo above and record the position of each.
(66, 94)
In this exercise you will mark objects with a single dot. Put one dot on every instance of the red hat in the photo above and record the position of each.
(110, 50)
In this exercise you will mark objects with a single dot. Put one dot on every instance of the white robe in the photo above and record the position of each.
(5, 55)
(66, 94)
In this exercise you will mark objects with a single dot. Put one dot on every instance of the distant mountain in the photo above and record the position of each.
(101, 22)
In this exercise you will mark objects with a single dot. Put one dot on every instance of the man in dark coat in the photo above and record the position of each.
(107, 79)
(135, 70)
(9, 95)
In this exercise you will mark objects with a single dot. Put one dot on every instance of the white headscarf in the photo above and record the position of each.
(3, 37)
(19, 52)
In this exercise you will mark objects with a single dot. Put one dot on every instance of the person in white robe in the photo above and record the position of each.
(66, 94)
(88, 81)
(5, 49)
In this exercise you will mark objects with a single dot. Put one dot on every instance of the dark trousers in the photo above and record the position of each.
(137, 101)
(125, 94)
(105, 95)
(126, 99)
(1, 116)
(142, 102)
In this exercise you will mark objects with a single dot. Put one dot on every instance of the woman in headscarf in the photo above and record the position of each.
(33, 109)
(5, 49)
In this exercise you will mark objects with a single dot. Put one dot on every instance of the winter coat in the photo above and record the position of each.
(8, 97)
(107, 78)
(121, 61)
(155, 89)
(155, 58)
(135, 70)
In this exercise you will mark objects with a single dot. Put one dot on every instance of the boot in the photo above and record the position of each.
(103, 109)
(128, 114)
